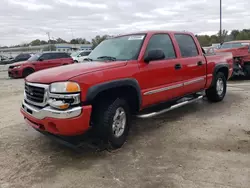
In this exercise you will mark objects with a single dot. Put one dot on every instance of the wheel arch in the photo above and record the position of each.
(121, 87)
(27, 69)
(221, 67)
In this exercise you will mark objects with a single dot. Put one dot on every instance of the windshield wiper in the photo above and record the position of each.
(88, 59)
(107, 57)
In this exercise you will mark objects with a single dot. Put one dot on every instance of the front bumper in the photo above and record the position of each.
(71, 122)
(39, 113)
(14, 73)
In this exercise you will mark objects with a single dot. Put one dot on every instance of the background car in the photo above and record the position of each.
(22, 57)
(5, 60)
(79, 56)
(38, 62)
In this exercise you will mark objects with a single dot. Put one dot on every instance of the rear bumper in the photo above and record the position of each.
(72, 122)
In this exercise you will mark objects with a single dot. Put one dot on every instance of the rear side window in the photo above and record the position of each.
(163, 42)
(46, 56)
(61, 55)
(26, 56)
(187, 45)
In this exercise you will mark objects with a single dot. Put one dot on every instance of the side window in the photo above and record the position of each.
(61, 55)
(26, 56)
(84, 53)
(163, 42)
(46, 56)
(187, 45)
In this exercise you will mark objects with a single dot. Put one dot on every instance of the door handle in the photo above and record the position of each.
(199, 63)
(177, 66)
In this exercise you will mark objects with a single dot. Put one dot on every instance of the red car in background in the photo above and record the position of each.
(241, 55)
(38, 62)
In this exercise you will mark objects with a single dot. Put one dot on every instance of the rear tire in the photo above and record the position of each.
(217, 92)
(111, 122)
(247, 70)
(27, 72)
(75, 61)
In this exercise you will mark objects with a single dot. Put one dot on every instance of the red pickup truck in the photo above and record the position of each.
(38, 62)
(143, 74)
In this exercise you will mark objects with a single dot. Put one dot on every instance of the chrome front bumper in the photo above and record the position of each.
(51, 112)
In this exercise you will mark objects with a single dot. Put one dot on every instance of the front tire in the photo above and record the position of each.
(27, 72)
(217, 92)
(112, 122)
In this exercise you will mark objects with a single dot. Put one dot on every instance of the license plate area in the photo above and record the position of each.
(27, 109)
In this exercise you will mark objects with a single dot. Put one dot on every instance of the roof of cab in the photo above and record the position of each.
(151, 32)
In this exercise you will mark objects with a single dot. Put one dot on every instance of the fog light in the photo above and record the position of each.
(58, 104)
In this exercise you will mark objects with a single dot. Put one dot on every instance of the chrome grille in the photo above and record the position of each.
(36, 94)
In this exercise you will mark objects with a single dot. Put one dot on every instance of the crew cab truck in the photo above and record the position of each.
(142, 74)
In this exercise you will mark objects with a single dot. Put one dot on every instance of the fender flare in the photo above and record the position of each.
(217, 68)
(93, 91)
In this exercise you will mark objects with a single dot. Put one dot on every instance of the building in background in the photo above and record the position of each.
(65, 47)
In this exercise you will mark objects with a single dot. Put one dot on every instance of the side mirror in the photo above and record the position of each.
(41, 59)
(154, 55)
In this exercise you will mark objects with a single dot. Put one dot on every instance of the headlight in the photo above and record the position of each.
(64, 87)
(17, 67)
(62, 95)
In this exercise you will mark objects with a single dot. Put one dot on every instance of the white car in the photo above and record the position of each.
(79, 56)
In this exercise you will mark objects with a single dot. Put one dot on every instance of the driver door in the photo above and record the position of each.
(160, 80)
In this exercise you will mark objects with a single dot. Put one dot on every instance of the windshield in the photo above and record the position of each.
(74, 54)
(84, 53)
(231, 45)
(35, 57)
(119, 48)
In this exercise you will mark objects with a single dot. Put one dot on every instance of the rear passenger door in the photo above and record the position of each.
(193, 64)
(65, 59)
(57, 59)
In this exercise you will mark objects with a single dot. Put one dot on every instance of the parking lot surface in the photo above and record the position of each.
(200, 145)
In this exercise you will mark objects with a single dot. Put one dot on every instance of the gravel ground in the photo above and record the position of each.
(200, 145)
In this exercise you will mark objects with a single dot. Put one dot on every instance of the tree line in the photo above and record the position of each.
(95, 41)
(205, 40)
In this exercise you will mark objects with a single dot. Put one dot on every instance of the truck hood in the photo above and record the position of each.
(67, 72)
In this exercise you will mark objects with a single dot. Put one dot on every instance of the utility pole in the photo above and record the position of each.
(48, 33)
(72, 36)
(221, 22)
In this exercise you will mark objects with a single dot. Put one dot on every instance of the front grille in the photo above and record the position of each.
(34, 93)
(11, 67)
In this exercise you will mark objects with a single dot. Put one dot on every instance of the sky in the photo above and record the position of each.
(22, 21)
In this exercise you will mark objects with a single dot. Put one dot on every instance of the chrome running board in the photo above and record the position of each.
(152, 114)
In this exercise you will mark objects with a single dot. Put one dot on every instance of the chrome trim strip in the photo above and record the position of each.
(50, 112)
(37, 85)
(173, 86)
(193, 81)
(162, 89)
